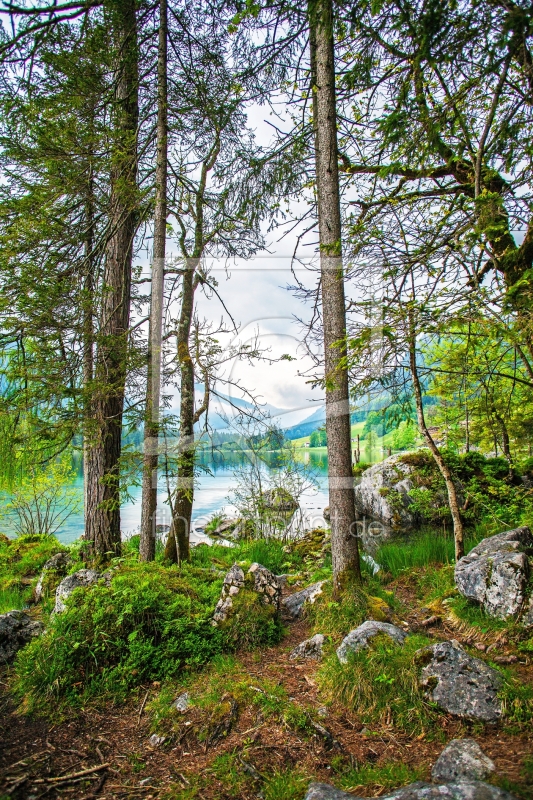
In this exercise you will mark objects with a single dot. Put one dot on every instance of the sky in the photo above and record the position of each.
(256, 294)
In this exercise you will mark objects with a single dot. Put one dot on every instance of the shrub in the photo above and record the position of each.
(151, 623)
(21, 561)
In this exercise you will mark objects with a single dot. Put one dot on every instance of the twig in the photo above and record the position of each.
(73, 775)
(142, 706)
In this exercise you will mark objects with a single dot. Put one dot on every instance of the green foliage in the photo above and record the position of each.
(490, 498)
(318, 438)
(153, 622)
(405, 436)
(21, 561)
(43, 499)
(338, 617)
(380, 684)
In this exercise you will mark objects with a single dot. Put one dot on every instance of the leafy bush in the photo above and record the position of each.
(21, 561)
(151, 623)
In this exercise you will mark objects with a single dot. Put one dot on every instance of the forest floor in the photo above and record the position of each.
(106, 752)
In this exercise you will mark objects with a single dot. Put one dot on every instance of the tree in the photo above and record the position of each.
(153, 380)
(102, 530)
(344, 543)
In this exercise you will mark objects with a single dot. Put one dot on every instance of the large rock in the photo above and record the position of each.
(462, 760)
(360, 638)
(382, 493)
(57, 564)
(258, 579)
(496, 572)
(473, 790)
(16, 630)
(82, 578)
(294, 603)
(460, 684)
(310, 648)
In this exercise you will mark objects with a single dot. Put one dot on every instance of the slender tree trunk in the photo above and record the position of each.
(153, 384)
(103, 490)
(178, 545)
(88, 337)
(441, 464)
(344, 542)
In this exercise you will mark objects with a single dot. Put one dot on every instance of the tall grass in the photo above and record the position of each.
(421, 550)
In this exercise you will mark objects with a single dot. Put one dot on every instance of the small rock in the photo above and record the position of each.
(495, 573)
(459, 683)
(462, 760)
(310, 648)
(145, 781)
(82, 578)
(359, 638)
(58, 563)
(182, 702)
(505, 659)
(294, 603)
(156, 740)
(323, 791)
(322, 711)
(16, 630)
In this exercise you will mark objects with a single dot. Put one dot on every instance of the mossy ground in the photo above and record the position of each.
(258, 723)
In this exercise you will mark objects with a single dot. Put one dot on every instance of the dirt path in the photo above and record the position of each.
(39, 760)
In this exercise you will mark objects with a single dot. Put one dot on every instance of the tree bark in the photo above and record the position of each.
(178, 547)
(344, 541)
(103, 489)
(153, 384)
(441, 464)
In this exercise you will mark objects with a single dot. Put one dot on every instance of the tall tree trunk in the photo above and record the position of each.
(344, 542)
(153, 384)
(88, 336)
(103, 490)
(441, 464)
(178, 546)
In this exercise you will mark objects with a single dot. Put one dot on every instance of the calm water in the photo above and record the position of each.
(211, 495)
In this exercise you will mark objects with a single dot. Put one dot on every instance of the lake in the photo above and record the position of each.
(214, 485)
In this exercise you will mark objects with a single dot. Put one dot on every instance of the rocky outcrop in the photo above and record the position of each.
(310, 648)
(294, 604)
(80, 579)
(496, 572)
(472, 790)
(56, 565)
(359, 638)
(258, 579)
(462, 760)
(459, 683)
(16, 630)
(382, 493)
(279, 499)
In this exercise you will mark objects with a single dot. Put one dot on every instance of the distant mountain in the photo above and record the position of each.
(308, 425)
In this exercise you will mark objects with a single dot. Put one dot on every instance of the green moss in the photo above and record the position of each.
(374, 778)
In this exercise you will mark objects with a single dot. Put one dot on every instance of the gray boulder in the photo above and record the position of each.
(310, 648)
(258, 578)
(58, 564)
(496, 572)
(360, 638)
(460, 684)
(382, 493)
(462, 760)
(16, 630)
(82, 578)
(473, 790)
(294, 604)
